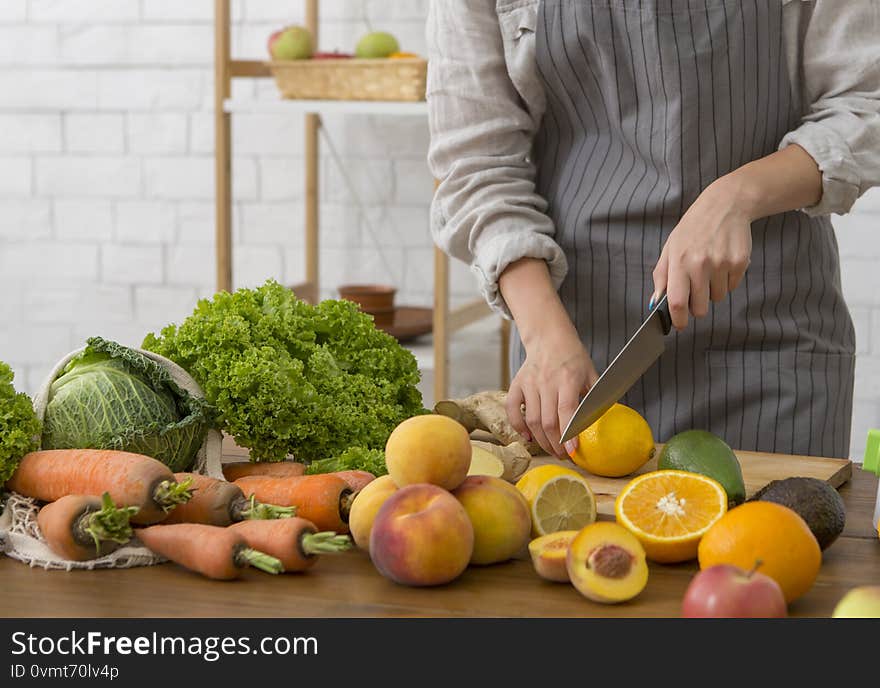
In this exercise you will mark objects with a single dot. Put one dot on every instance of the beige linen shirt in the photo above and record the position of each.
(485, 103)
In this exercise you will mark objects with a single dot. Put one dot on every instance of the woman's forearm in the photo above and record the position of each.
(533, 301)
(785, 180)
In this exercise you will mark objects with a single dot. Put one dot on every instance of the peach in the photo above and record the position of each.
(549, 553)
(606, 563)
(429, 449)
(365, 507)
(421, 536)
(500, 517)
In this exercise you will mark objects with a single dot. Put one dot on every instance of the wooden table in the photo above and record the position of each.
(348, 586)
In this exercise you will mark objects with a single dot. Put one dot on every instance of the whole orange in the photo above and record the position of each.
(771, 534)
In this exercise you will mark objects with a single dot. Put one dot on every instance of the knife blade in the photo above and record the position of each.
(644, 347)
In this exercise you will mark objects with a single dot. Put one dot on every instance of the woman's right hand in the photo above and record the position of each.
(557, 371)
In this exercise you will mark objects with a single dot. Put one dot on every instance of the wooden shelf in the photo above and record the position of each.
(446, 319)
(322, 107)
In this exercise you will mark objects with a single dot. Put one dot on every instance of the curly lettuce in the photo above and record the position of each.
(287, 377)
(19, 425)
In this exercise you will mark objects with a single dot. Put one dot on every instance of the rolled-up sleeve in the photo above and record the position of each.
(486, 211)
(841, 76)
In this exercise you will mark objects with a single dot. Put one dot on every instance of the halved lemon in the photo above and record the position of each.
(564, 502)
(669, 511)
(532, 480)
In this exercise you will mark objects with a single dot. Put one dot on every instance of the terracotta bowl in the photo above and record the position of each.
(375, 299)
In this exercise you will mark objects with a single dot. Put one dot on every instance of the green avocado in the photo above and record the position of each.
(814, 500)
(699, 451)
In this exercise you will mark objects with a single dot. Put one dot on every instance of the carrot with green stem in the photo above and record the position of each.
(212, 551)
(219, 503)
(296, 542)
(131, 479)
(83, 527)
(324, 499)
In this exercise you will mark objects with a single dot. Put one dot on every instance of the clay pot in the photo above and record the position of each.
(375, 299)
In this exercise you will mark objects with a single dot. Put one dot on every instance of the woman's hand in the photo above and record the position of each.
(706, 255)
(556, 372)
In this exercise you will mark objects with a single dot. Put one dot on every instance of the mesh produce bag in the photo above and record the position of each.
(20, 537)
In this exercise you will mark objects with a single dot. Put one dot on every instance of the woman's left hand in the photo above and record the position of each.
(707, 253)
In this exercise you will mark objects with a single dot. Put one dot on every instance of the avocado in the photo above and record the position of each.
(819, 504)
(699, 451)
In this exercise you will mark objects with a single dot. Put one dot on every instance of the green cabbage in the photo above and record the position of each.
(287, 377)
(113, 397)
(19, 425)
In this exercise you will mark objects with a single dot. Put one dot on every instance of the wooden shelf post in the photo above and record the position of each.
(312, 172)
(223, 147)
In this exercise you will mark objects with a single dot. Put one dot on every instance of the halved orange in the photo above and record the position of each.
(669, 511)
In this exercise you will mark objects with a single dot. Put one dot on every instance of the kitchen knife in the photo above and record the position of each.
(639, 354)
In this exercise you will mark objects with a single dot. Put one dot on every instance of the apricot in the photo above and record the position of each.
(428, 449)
(606, 563)
(421, 536)
(549, 553)
(366, 506)
(500, 517)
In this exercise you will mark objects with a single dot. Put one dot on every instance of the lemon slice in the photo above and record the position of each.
(563, 502)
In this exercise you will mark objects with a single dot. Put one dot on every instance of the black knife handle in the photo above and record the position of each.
(662, 309)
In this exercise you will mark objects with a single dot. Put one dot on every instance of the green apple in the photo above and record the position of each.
(376, 44)
(859, 603)
(291, 43)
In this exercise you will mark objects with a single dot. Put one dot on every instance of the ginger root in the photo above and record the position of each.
(485, 411)
(514, 457)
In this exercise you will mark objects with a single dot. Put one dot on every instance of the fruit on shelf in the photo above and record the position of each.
(728, 591)
(770, 533)
(699, 451)
(862, 602)
(365, 507)
(669, 511)
(549, 553)
(617, 444)
(428, 449)
(291, 43)
(499, 515)
(402, 55)
(421, 536)
(376, 44)
(814, 500)
(606, 563)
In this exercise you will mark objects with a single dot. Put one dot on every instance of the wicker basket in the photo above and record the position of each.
(401, 78)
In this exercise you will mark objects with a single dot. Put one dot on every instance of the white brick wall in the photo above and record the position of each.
(107, 180)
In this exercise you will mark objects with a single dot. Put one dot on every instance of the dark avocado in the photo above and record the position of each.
(819, 504)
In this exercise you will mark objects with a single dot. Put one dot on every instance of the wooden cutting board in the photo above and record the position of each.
(758, 470)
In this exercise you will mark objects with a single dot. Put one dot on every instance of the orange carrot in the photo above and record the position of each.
(82, 527)
(214, 552)
(296, 542)
(280, 469)
(324, 499)
(131, 479)
(356, 480)
(219, 503)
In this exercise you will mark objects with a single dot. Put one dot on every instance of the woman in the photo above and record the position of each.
(594, 155)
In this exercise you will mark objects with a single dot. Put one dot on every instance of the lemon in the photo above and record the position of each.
(563, 502)
(617, 444)
(532, 480)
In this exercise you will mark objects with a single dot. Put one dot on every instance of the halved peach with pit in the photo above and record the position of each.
(549, 553)
(606, 563)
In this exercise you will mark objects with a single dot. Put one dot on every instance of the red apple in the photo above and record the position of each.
(727, 591)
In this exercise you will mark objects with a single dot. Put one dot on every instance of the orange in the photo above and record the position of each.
(771, 534)
(669, 511)
(399, 55)
(617, 444)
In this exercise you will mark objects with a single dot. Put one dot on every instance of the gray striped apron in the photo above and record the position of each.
(647, 103)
